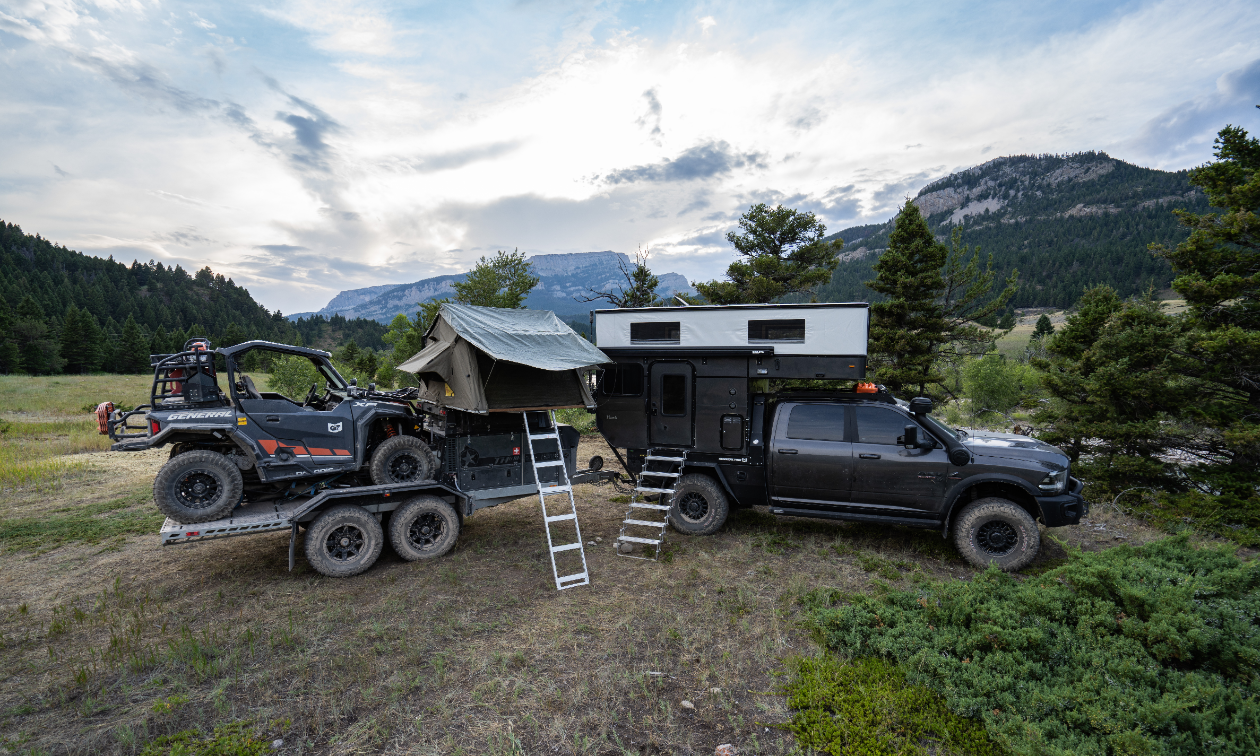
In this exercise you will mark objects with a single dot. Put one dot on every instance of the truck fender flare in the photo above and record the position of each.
(715, 472)
(954, 494)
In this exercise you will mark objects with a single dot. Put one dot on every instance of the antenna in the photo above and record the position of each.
(682, 301)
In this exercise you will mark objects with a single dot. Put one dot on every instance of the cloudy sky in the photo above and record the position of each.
(308, 147)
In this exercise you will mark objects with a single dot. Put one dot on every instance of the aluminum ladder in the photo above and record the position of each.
(660, 483)
(562, 486)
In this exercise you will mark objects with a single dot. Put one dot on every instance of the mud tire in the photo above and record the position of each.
(698, 506)
(344, 541)
(197, 486)
(402, 459)
(996, 531)
(424, 528)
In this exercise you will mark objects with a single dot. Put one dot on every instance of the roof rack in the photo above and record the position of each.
(883, 395)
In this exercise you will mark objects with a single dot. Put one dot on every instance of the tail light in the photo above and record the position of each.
(154, 427)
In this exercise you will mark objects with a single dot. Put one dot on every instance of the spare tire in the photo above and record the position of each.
(402, 459)
(197, 486)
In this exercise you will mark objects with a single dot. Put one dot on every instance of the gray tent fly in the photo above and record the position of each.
(487, 359)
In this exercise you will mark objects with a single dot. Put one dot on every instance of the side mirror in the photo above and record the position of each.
(354, 381)
(911, 438)
(959, 456)
(920, 405)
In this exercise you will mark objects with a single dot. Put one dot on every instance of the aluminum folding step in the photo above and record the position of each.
(563, 486)
(669, 476)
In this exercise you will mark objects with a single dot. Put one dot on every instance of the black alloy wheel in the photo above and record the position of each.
(425, 530)
(197, 489)
(996, 538)
(345, 543)
(405, 467)
(693, 506)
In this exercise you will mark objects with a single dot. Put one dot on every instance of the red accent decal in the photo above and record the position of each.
(268, 446)
(321, 452)
(299, 450)
(341, 452)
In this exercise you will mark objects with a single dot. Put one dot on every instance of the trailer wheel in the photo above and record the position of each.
(424, 528)
(344, 541)
(402, 459)
(698, 505)
(996, 531)
(197, 486)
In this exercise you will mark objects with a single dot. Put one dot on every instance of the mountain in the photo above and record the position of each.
(1065, 222)
(561, 278)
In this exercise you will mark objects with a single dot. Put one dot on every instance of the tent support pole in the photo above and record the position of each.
(624, 466)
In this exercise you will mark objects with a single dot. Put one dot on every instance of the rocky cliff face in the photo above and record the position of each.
(562, 278)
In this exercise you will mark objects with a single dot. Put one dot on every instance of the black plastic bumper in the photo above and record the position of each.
(1064, 509)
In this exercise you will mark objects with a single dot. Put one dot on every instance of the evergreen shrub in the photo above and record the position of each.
(1134, 650)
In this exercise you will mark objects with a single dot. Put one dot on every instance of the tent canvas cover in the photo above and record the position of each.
(487, 359)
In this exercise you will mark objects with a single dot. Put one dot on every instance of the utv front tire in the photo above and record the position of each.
(424, 528)
(996, 531)
(344, 541)
(197, 486)
(698, 505)
(402, 459)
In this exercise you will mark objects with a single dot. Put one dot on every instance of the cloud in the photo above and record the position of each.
(700, 162)
(653, 114)
(59, 172)
(455, 159)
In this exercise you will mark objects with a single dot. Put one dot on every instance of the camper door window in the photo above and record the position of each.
(782, 331)
(674, 394)
(622, 380)
(655, 333)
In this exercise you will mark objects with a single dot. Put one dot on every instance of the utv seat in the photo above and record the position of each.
(247, 384)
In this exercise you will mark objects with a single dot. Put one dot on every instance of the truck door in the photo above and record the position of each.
(317, 440)
(888, 475)
(669, 408)
(811, 457)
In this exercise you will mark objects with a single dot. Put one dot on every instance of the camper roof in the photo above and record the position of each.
(808, 329)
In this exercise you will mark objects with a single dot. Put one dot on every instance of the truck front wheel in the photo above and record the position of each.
(197, 486)
(996, 531)
(424, 528)
(698, 505)
(344, 541)
(402, 459)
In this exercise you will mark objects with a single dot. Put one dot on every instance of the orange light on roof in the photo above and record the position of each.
(866, 388)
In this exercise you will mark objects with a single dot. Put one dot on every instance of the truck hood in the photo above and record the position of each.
(1014, 446)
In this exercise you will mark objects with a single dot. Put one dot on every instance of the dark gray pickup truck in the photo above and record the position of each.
(868, 457)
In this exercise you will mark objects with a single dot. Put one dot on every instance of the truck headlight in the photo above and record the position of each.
(1054, 482)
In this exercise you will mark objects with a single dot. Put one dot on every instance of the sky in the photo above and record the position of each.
(305, 147)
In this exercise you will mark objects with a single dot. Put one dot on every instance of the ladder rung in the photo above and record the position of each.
(665, 459)
(569, 578)
(641, 505)
(558, 518)
(654, 490)
(557, 463)
(552, 437)
(649, 523)
(556, 489)
(649, 474)
(566, 547)
(632, 539)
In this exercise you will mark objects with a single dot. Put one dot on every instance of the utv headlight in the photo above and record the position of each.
(1054, 482)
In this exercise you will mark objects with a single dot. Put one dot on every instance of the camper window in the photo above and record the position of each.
(622, 380)
(783, 331)
(818, 422)
(674, 394)
(655, 333)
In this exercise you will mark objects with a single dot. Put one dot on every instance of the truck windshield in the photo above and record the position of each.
(960, 435)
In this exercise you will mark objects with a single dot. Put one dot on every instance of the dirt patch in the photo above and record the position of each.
(110, 646)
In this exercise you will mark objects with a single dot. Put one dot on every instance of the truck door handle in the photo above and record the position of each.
(869, 456)
(653, 408)
(273, 419)
(787, 451)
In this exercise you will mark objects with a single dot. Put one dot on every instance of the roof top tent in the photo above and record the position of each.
(681, 378)
(487, 359)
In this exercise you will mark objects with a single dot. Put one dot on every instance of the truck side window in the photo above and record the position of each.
(818, 422)
(622, 380)
(655, 333)
(674, 395)
(782, 330)
(876, 425)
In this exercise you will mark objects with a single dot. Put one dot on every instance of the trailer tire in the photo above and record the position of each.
(698, 505)
(197, 486)
(344, 541)
(424, 528)
(402, 459)
(996, 531)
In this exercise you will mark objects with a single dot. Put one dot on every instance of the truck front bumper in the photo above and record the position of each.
(1066, 508)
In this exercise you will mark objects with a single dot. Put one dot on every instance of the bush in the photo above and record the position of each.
(293, 376)
(996, 383)
(1152, 649)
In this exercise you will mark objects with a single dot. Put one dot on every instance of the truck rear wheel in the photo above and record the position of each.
(996, 531)
(344, 541)
(402, 459)
(197, 486)
(698, 505)
(424, 528)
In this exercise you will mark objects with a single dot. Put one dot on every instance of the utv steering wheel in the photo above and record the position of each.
(311, 396)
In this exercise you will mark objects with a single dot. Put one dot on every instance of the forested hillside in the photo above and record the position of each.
(1065, 222)
(61, 310)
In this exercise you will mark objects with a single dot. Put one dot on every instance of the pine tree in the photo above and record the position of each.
(73, 341)
(10, 354)
(784, 253)
(502, 281)
(909, 324)
(133, 349)
(1044, 327)
(39, 354)
(640, 287)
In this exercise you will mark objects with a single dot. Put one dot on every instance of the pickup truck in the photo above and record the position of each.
(869, 457)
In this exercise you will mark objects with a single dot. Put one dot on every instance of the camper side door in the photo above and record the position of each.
(620, 400)
(669, 408)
